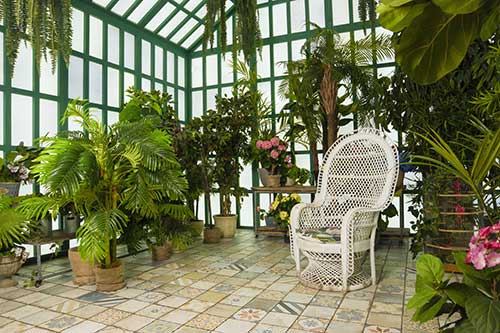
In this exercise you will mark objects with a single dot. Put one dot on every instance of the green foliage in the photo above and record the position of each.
(474, 301)
(16, 165)
(13, 226)
(385, 215)
(433, 36)
(105, 172)
(246, 35)
(45, 24)
(299, 175)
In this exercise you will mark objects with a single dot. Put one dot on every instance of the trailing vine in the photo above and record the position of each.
(366, 11)
(46, 24)
(246, 35)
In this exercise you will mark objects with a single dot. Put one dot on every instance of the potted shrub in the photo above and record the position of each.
(274, 160)
(106, 172)
(13, 231)
(296, 175)
(278, 215)
(15, 168)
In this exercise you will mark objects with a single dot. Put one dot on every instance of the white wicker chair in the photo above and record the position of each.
(356, 182)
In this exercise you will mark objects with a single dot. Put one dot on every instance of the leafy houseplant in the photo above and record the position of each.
(45, 24)
(298, 176)
(475, 301)
(279, 211)
(13, 231)
(106, 172)
(15, 168)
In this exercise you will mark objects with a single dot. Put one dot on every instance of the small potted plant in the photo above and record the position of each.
(274, 160)
(297, 176)
(279, 211)
(13, 231)
(15, 168)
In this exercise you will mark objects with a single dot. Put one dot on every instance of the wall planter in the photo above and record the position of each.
(161, 252)
(10, 188)
(10, 264)
(211, 235)
(226, 225)
(109, 279)
(83, 271)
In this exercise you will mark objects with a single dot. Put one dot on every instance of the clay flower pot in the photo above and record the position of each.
(10, 264)
(161, 252)
(226, 225)
(83, 271)
(109, 279)
(211, 235)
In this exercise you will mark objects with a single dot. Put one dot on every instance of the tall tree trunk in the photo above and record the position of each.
(328, 93)
(314, 153)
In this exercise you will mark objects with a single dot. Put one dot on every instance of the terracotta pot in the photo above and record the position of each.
(10, 264)
(83, 271)
(163, 252)
(211, 235)
(109, 279)
(198, 226)
(226, 225)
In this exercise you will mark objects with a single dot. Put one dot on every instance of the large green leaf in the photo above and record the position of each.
(490, 23)
(435, 44)
(484, 313)
(459, 293)
(458, 7)
(465, 326)
(396, 3)
(423, 294)
(398, 18)
(430, 269)
(430, 309)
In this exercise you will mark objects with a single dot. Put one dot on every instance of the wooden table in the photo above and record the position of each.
(257, 190)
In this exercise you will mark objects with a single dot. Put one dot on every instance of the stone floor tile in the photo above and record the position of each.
(86, 326)
(264, 328)
(21, 312)
(223, 310)
(61, 323)
(88, 311)
(206, 321)
(132, 306)
(196, 305)
(211, 296)
(233, 325)
(133, 322)
(110, 316)
(344, 327)
(250, 314)
(310, 324)
(236, 300)
(316, 311)
(14, 327)
(380, 329)
(39, 317)
(173, 301)
(279, 319)
(179, 316)
(159, 326)
(154, 311)
(8, 306)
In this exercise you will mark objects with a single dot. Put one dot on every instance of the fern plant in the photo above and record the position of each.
(13, 226)
(246, 35)
(46, 24)
(106, 172)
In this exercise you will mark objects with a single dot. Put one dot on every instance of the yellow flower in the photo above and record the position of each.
(283, 215)
(275, 204)
(296, 197)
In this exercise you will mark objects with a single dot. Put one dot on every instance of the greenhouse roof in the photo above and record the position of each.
(178, 21)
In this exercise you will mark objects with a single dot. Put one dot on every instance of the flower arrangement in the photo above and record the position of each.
(472, 305)
(16, 165)
(280, 209)
(272, 155)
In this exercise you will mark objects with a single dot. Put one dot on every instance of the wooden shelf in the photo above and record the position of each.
(284, 189)
(57, 236)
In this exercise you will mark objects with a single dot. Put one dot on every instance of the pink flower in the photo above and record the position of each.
(288, 159)
(484, 232)
(457, 186)
(275, 141)
(493, 259)
(267, 145)
(290, 165)
(477, 257)
(281, 148)
(258, 144)
(275, 154)
(495, 228)
(459, 209)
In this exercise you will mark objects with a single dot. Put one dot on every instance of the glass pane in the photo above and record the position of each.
(184, 30)
(129, 50)
(317, 13)
(297, 11)
(211, 70)
(95, 83)
(263, 64)
(1, 116)
(113, 87)
(1, 58)
(48, 80)
(197, 72)
(278, 99)
(146, 84)
(113, 117)
(173, 23)
(141, 10)
(194, 37)
(23, 72)
(75, 79)
(280, 56)
(146, 57)
(21, 121)
(197, 103)
(211, 99)
(181, 112)
(128, 81)
(95, 37)
(159, 62)
(170, 67)
(340, 12)
(171, 92)
(181, 71)
(279, 21)
(264, 21)
(113, 44)
(159, 86)
(246, 212)
(296, 47)
(48, 117)
(227, 69)
(160, 17)
(121, 7)
(96, 114)
(77, 42)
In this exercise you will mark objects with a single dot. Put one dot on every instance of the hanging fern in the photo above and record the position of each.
(246, 35)
(46, 24)
(366, 11)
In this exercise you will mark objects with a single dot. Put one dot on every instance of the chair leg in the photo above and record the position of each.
(296, 253)
(345, 271)
(372, 258)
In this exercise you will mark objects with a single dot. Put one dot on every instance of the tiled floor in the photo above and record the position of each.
(240, 285)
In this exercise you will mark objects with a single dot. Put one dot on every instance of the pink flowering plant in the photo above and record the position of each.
(472, 305)
(273, 156)
(16, 165)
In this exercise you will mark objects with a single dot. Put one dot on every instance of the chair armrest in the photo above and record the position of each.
(297, 210)
(352, 214)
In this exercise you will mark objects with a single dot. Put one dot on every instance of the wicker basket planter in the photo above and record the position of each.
(109, 279)
(9, 265)
(161, 253)
(211, 235)
(459, 217)
(83, 271)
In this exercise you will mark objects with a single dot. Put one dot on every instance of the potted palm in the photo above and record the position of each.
(13, 231)
(106, 172)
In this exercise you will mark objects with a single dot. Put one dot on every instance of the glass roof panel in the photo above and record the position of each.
(122, 6)
(192, 4)
(141, 10)
(193, 37)
(160, 17)
(172, 24)
(185, 29)
(103, 3)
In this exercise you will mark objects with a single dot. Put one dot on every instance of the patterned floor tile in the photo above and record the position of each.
(85, 326)
(380, 329)
(223, 310)
(174, 301)
(318, 312)
(110, 316)
(211, 296)
(279, 319)
(131, 306)
(133, 322)
(250, 314)
(154, 311)
(264, 328)
(310, 324)
(351, 315)
(206, 321)
(196, 305)
(232, 325)
(179, 316)
(160, 326)
(102, 299)
(289, 307)
(236, 300)
(88, 311)
(61, 323)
